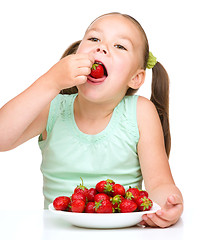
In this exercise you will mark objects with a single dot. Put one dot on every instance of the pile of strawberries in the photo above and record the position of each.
(106, 197)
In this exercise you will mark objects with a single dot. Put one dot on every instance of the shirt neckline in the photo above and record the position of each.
(94, 137)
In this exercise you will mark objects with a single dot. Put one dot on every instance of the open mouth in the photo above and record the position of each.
(98, 73)
(104, 68)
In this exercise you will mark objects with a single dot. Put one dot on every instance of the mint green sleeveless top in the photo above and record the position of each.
(68, 153)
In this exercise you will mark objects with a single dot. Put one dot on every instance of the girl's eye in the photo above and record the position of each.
(94, 39)
(120, 47)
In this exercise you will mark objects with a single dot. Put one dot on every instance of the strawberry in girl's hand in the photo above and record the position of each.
(97, 70)
(78, 206)
(118, 189)
(127, 205)
(61, 203)
(144, 203)
(104, 206)
(132, 194)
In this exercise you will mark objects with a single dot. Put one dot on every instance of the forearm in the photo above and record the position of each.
(20, 112)
(160, 193)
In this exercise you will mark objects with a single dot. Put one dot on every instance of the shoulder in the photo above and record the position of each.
(145, 106)
(147, 115)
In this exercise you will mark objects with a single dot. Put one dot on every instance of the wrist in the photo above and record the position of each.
(48, 84)
(163, 191)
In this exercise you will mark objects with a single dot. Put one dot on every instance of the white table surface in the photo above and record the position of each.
(42, 224)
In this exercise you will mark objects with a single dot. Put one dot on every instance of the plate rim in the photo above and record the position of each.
(154, 209)
(98, 220)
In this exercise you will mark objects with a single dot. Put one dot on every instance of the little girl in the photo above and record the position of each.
(97, 128)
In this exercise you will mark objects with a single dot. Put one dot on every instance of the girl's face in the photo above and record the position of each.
(117, 43)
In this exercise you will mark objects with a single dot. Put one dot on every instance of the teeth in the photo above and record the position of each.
(98, 63)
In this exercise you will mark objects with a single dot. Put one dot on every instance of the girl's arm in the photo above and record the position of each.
(25, 116)
(155, 167)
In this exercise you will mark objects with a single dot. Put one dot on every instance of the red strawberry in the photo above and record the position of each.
(118, 189)
(90, 207)
(127, 205)
(78, 206)
(91, 194)
(81, 188)
(116, 200)
(132, 194)
(97, 70)
(104, 206)
(79, 195)
(144, 193)
(61, 203)
(144, 203)
(105, 186)
(100, 197)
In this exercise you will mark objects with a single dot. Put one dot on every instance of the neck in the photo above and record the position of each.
(92, 111)
(91, 117)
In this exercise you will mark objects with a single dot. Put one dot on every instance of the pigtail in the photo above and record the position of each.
(160, 98)
(70, 50)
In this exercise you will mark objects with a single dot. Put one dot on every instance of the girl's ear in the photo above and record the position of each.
(137, 80)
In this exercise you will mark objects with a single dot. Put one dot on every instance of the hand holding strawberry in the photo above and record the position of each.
(70, 71)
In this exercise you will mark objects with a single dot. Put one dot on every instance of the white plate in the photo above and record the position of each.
(103, 220)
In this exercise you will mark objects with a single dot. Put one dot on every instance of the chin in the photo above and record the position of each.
(91, 95)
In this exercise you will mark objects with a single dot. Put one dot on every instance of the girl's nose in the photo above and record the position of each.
(101, 49)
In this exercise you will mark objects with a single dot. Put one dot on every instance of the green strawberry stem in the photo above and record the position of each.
(95, 65)
(108, 188)
(98, 204)
(146, 203)
(81, 181)
(81, 186)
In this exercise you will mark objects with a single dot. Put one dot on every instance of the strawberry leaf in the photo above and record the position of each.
(95, 65)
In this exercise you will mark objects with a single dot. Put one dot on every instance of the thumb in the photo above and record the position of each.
(91, 57)
(172, 200)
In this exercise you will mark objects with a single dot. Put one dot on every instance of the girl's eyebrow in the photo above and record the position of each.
(122, 37)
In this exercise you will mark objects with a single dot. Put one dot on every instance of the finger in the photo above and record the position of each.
(80, 80)
(81, 56)
(84, 63)
(142, 223)
(174, 199)
(170, 214)
(158, 221)
(148, 221)
(91, 58)
(83, 71)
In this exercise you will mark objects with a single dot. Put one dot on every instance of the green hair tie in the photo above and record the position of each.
(151, 61)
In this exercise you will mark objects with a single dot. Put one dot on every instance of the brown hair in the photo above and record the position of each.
(159, 89)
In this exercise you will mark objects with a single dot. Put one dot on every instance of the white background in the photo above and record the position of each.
(34, 35)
